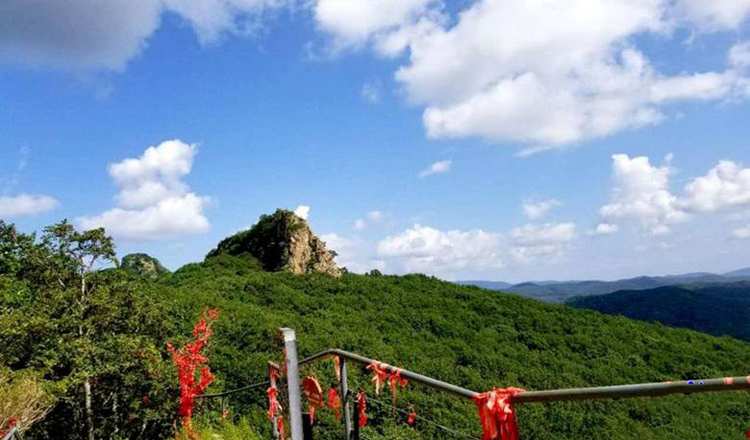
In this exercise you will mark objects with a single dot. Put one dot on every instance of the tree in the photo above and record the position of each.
(96, 332)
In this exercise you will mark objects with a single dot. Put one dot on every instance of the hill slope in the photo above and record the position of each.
(468, 336)
(717, 309)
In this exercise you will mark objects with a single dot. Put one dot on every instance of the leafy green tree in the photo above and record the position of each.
(97, 333)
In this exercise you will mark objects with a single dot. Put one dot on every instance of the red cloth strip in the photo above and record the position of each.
(497, 415)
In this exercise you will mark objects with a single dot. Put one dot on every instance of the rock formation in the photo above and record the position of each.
(143, 264)
(282, 241)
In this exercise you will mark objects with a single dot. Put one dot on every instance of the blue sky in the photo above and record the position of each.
(493, 139)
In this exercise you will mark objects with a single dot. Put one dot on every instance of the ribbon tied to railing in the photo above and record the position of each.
(314, 394)
(379, 375)
(362, 408)
(333, 402)
(395, 380)
(497, 414)
(274, 409)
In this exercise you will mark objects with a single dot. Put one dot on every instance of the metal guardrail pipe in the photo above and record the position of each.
(637, 390)
(591, 393)
(416, 377)
(265, 384)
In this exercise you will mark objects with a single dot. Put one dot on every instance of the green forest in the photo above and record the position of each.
(83, 345)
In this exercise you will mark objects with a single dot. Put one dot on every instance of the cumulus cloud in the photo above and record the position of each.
(26, 204)
(533, 241)
(97, 34)
(641, 195)
(353, 253)
(440, 167)
(389, 24)
(724, 186)
(549, 74)
(154, 202)
(302, 211)
(538, 209)
(714, 15)
(539, 74)
(428, 250)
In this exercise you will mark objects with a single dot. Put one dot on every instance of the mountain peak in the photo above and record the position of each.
(282, 241)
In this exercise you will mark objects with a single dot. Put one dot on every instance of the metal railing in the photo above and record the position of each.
(292, 365)
(570, 394)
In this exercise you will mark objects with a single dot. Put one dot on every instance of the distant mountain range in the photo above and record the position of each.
(715, 308)
(562, 291)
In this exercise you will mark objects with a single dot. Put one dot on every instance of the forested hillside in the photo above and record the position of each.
(717, 309)
(468, 336)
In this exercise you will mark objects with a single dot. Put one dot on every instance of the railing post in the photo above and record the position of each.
(345, 400)
(293, 383)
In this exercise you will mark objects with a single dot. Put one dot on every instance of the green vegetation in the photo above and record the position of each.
(266, 240)
(717, 308)
(468, 336)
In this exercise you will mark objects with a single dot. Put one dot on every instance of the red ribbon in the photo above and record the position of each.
(314, 394)
(497, 415)
(394, 381)
(362, 408)
(379, 374)
(280, 427)
(334, 403)
(273, 403)
(412, 418)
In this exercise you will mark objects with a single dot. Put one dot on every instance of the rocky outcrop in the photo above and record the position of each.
(144, 265)
(282, 241)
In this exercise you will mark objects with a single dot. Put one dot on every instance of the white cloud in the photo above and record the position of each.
(533, 241)
(714, 14)
(538, 209)
(154, 176)
(739, 55)
(106, 34)
(26, 204)
(641, 195)
(354, 23)
(428, 250)
(605, 229)
(354, 254)
(154, 202)
(550, 73)
(302, 211)
(542, 74)
(166, 218)
(724, 186)
(440, 167)
(211, 18)
(372, 218)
